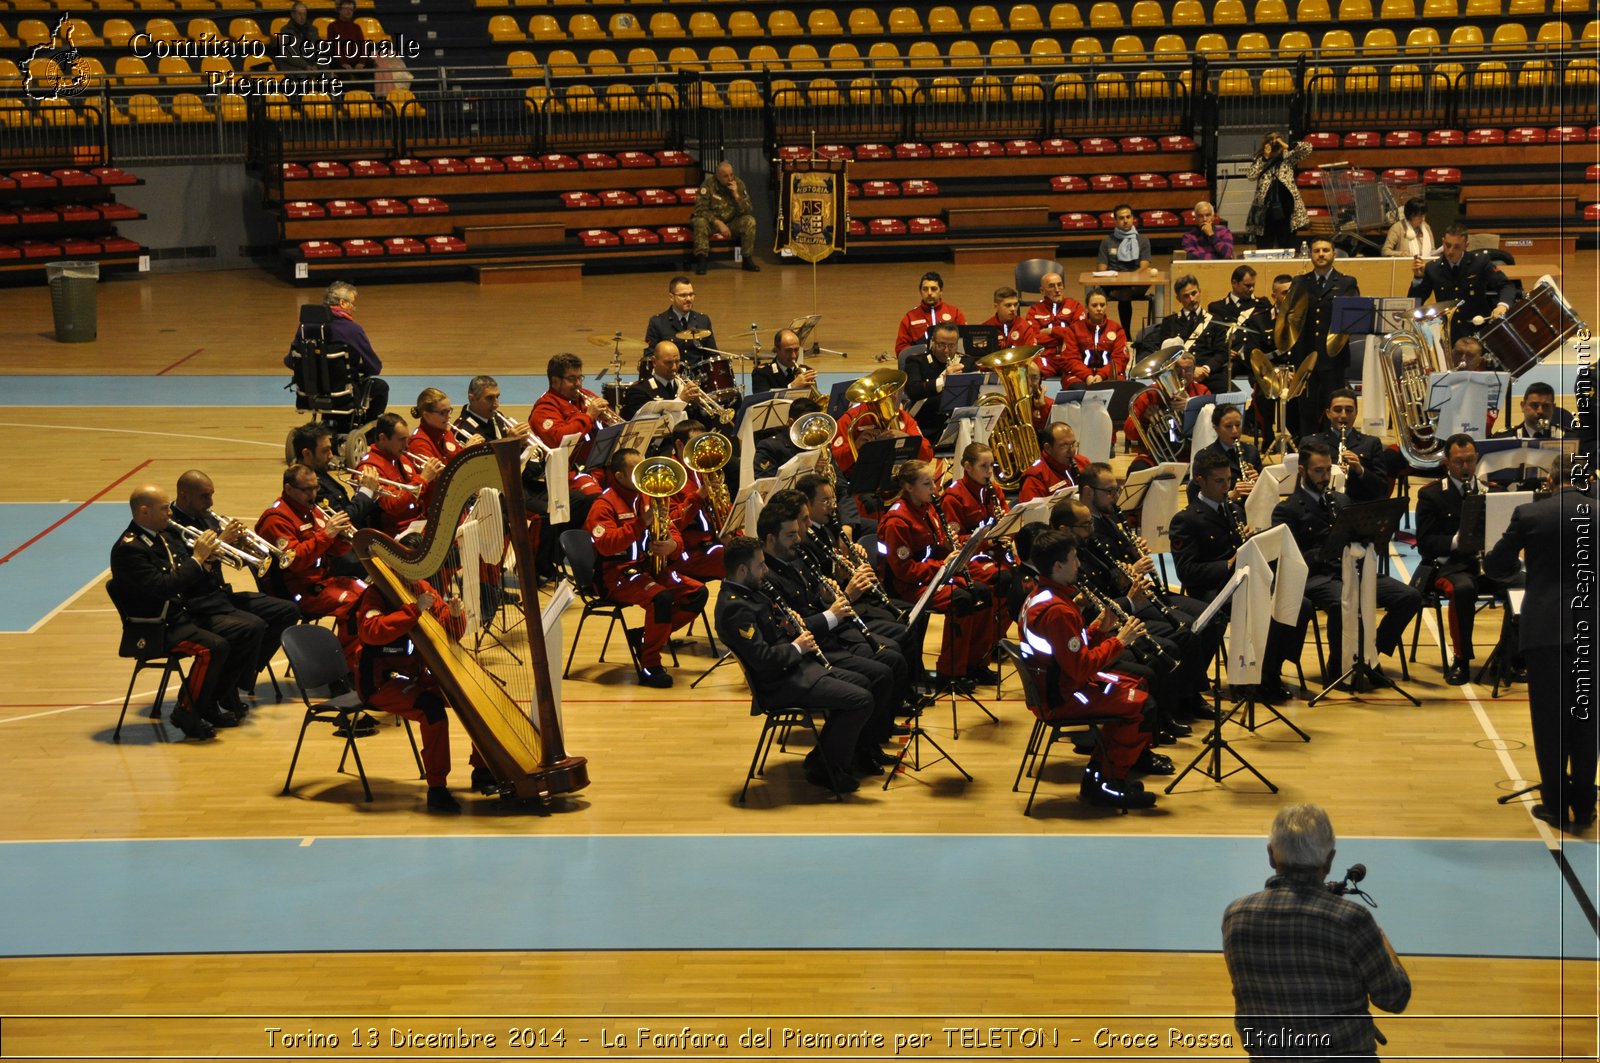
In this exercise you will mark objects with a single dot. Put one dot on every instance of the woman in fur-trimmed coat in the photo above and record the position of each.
(1277, 212)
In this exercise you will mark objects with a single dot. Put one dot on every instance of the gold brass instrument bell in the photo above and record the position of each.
(878, 390)
(706, 455)
(660, 478)
(1013, 439)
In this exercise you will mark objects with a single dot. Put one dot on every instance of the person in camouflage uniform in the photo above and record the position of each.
(723, 206)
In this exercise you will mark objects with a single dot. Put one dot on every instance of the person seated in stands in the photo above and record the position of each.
(312, 539)
(1210, 238)
(930, 311)
(298, 41)
(405, 497)
(1016, 328)
(347, 43)
(1125, 250)
(723, 206)
(785, 370)
(1094, 349)
(1059, 464)
(435, 437)
(773, 452)
(1051, 317)
(1411, 237)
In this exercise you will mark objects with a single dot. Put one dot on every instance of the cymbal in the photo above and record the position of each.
(607, 341)
(693, 334)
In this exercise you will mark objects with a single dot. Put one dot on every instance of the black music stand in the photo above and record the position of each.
(838, 399)
(601, 444)
(876, 461)
(953, 566)
(1364, 523)
(1215, 744)
(960, 389)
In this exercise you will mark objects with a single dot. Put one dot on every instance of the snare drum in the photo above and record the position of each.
(715, 377)
(1536, 326)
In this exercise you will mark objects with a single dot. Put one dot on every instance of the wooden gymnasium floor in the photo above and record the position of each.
(160, 892)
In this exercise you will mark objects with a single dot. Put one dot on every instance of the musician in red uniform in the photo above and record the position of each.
(1094, 348)
(1082, 658)
(1016, 328)
(1042, 403)
(693, 516)
(434, 436)
(618, 522)
(869, 429)
(567, 409)
(1051, 317)
(930, 311)
(294, 522)
(398, 506)
(392, 677)
(1147, 402)
(1059, 463)
(975, 499)
(913, 542)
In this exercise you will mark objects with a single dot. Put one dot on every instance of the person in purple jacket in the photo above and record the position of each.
(1210, 237)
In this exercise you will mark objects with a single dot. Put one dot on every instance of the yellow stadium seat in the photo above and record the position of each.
(946, 90)
(1147, 13)
(742, 92)
(504, 28)
(782, 23)
(176, 71)
(1570, 7)
(1483, 8)
(986, 88)
(1045, 51)
(1312, 11)
(884, 54)
(823, 92)
(1235, 83)
(1582, 73)
(1536, 74)
(146, 109)
(1026, 88)
(621, 98)
(705, 24)
(1127, 48)
(763, 57)
(604, 62)
(219, 64)
(563, 63)
(843, 54)
(822, 22)
(117, 32)
(63, 113)
(1491, 74)
(924, 54)
(1065, 17)
(744, 24)
(1421, 40)
(522, 64)
(1294, 43)
(1525, 7)
(247, 30)
(865, 92)
(315, 105)
(322, 23)
(864, 20)
(644, 60)
(1252, 46)
(983, 18)
(33, 32)
(203, 29)
(1272, 11)
(545, 28)
(1214, 46)
(1510, 36)
(1188, 13)
(804, 57)
(1591, 30)
(944, 19)
(372, 29)
(1068, 87)
(964, 53)
(1466, 39)
(786, 93)
(131, 70)
(1361, 79)
(1337, 44)
(1397, 11)
(581, 98)
(904, 90)
(1355, 10)
(158, 29)
(722, 59)
(92, 67)
(1379, 42)
(1554, 33)
(1405, 77)
(683, 57)
(1005, 52)
(1024, 17)
(1110, 86)
(1105, 15)
(1277, 81)
(1440, 9)
(83, 35)
(1151, 85)
(1088, 48)
(1169, 45)
(665, 25)
(905, 20)
(1229, 13)
(587, 27)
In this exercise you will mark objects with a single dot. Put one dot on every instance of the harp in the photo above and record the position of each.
(521, 744)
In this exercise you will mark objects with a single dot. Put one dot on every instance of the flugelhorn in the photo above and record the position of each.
(227, 553)
(283, 555)
(605, 416)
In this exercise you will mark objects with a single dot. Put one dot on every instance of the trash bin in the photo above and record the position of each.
(72, 299)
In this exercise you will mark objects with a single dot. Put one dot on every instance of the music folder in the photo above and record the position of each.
(1356, 315)
(1362, 522)
(978, 341)
(1137, 485)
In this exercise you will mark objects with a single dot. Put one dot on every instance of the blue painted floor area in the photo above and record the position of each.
(52, 569)
(1466, 898)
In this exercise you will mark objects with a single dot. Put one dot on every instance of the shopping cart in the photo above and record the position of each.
(1360, 207)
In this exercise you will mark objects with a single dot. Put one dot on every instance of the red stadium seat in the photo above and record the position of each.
(444, 245)
(794, 153)
(1107, 220)
(346, 208)
(639, 236)
(361, 248)
(523, 164)
(303, 208)
(675, 234)
(428, 205)
(485, 164)
(292, 171)
(1363, 140)
(74, 178)
(1098, 146)
(879, 189)
(329, 169)
(1309, 178)
(118, 245)
(598, 238)
(949, 149)
(912, 150)
(1359, 176)
(1068, 183)
(369, 168)
(448, 166)
(1403, 138)
(886, 227)
(1139, 145)
(835, 151)
(1108, 182)
(119, 212)
(111, 175)
(1323, 141)
(597, 160)
(403, 245)
(1591, 212)
(320, 249)
(657, 197)
(1592, 172)
(1445, 138)
(873, 152)
(579, 200)
(986, 149)
(1146, 181)
(79, 212)
(410, 168)
(1059, 146)
(1526, 135)
(674, 157)
(1023, 147)
(617, 197)
(1188, 179)
(37, 216)
(1159, 219)
(852, 190)
(1401, 176)
(559, 162)
(1482, 137)
(1177, 142)
(1567, 134)
(635, 160)
(380, 208)
(1594, 134)
(8, 252)
(1441, 175)
(919, 187)
(925, 226)
(1316, 212)
(687, 196)
(857, 226)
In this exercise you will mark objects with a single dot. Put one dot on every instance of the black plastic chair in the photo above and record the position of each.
(1048, 732)
(319, 664)
(1030, 273)
(144, 641)
(775, 727)
(578, 548)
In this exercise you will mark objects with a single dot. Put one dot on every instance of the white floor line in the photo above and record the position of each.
(140, 432)
(79, 593)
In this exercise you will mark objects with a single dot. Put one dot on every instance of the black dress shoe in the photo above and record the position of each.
(192, 726)
(751, 265)
(1456, 674)
(876, 756)
(984, 675)
(700, 265)
(863, 768)
(220, 717)
(361, 726)
(484, 782)
(1173, 727)
(818, 773)
(1152, 763)
(655, 677)
(1109, 793)
(441, 800)
(1272, 693)
(1582, 820)
(898, 730)
(1550, 817)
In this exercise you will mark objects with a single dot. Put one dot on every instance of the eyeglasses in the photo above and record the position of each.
(443, 411)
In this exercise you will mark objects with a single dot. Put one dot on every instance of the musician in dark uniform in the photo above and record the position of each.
(1176, 328)
(1471, 276)
(679, 318)
(1439, 541)
(1238, 454)
(1541, 417)
(785, 370)
(482, 416)
(154, 571)
(1309, 512)
(662, 381)
(1366, 471)
(926, 374)
(1226, 313)
(1317, 290)
(223, 607)
(775, 451)
(1560, 580)
(783, 667)
(313, 447)
(1206, 537)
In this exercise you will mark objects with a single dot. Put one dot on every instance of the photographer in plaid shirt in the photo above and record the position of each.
(1305, 962)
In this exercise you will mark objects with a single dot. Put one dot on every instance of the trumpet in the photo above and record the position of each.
(229, 554)
(462, 433)
(386, 488)
(705, 401)
(282, 552)
(349, 531)
(604, 416)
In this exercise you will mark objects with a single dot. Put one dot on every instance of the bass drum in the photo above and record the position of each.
(612, 392)
(1535, 327)
(715, 377)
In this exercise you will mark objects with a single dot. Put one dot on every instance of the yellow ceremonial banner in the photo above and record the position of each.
(816, 207)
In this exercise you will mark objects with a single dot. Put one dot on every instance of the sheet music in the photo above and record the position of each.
(1497, 509)
(550, 617)
(649, 425)
(556, 467)
(672, 409)
(768, 413)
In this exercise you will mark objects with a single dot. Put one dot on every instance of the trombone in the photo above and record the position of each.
(227, 553)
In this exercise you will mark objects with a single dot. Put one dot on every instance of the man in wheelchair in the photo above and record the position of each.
(335, 368)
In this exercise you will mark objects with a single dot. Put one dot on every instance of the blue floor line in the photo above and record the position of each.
(1459, 898)
(52, 569)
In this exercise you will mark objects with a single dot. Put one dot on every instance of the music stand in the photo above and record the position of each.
(1123, 393)
(960, 389)
(838, 400)
(601, 446)
(876, 462)
(1215, 744)
(1365, 524)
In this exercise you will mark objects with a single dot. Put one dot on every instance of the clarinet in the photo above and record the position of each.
(839, 596)
(1109, 565)
(1145, 648)
(1003, 552)
(857, 555)
(794, 618)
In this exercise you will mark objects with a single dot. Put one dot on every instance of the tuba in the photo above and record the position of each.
(706, 455)
(1408, 358)
(1014, 440)
(877, 390)
(660, 478)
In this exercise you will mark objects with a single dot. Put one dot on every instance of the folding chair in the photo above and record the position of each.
(144, 641)
(1046, 731)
